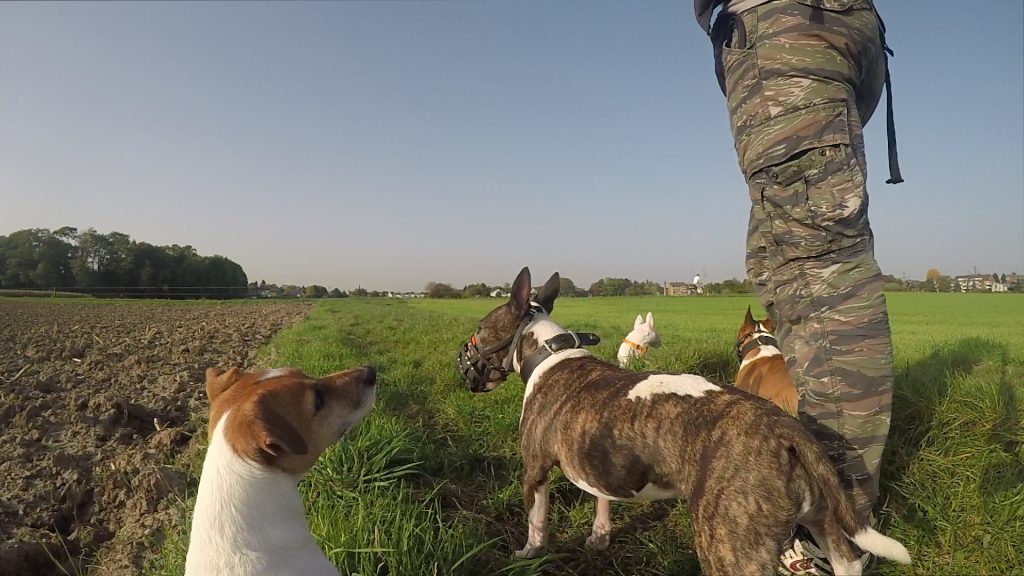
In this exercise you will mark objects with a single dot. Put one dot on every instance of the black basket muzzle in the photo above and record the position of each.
(479, 370)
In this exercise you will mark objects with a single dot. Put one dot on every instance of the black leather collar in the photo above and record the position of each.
(761, 339)
(566, 341)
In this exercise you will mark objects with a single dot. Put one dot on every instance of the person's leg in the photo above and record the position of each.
(796, 86)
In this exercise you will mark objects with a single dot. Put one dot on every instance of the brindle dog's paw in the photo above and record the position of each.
(598, 542)
(528, 552)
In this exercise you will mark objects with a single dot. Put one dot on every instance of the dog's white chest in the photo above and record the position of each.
(249, 520)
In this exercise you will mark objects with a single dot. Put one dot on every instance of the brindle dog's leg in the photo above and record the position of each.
(600, 534)
(535, 496)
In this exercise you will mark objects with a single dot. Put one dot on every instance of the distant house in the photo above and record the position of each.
(980, 283)
(499, 293)
(679, 289)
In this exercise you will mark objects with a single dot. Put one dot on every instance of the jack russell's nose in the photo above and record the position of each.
(369, 375)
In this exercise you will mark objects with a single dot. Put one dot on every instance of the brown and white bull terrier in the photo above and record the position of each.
(763, 369)
(749, 472)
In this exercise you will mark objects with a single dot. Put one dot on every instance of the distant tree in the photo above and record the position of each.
(610, 287)
(893, 284)
(734, 286)
(943, 284)
(476, 291)
(360, 292)
(1002, 279)
(335, 293)
(566, 287)
(315, 291)
(442, 290)
(933, 274)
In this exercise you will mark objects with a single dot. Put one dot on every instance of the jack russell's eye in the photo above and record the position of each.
(318, 401)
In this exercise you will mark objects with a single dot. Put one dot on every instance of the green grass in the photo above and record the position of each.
(429, 483)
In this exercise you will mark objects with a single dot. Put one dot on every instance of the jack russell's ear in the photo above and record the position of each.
(769, 324)
(274, 434)
(218, 381)
(520, 298)
(650, 320)
(639, 320)
(548, 293)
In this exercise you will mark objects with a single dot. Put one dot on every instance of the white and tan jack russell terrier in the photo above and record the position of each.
(267, 428)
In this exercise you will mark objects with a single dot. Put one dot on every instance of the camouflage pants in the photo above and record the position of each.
(800, 77)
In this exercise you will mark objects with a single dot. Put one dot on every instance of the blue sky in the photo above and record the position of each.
(387, 144)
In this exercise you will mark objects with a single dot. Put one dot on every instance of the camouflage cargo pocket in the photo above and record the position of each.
(775, 141)
(815, 203)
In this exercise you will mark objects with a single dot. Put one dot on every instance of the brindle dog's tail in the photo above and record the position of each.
(824, 480)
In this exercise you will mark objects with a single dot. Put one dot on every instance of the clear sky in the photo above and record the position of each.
(387, 144)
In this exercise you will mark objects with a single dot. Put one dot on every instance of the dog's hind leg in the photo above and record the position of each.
(535, 497)
(600, 534)
(835, 545)
(732, 540)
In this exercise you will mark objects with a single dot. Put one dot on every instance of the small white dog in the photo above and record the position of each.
(636, 343)
(267, 428)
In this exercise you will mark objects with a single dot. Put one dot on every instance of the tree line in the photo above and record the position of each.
(67, 259)
(603, 287)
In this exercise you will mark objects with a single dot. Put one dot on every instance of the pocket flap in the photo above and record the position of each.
(773, 142)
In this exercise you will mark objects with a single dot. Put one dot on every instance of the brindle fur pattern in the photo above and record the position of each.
(748, 470)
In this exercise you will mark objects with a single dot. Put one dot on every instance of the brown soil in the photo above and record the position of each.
(97, 400)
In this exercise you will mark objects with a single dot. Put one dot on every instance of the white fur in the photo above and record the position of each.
(249, 520)
(543, 328)
(681, 384)
(642, 334)
(538, 525)
(870, 540)
(762, 352)
(648, 492)
(600, 532)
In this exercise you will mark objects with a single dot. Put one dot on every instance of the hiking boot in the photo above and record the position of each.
(803, 557)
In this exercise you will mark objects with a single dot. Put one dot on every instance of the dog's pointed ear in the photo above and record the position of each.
(639, 320)
(748, 321)
(769, 324)
(650, 320)
(218, 381)
(274, 434)
(520, 298)
(548, 292)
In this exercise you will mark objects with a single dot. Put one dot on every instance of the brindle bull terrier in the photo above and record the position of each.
(749, 472)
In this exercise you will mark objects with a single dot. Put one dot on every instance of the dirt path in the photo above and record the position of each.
(96, 400)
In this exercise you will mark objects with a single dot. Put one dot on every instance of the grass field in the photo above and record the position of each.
(429, 483)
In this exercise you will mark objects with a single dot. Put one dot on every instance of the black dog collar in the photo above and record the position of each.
(566, 341)
(760, 339)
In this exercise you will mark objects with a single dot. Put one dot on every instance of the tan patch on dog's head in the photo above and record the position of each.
(282, 417)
